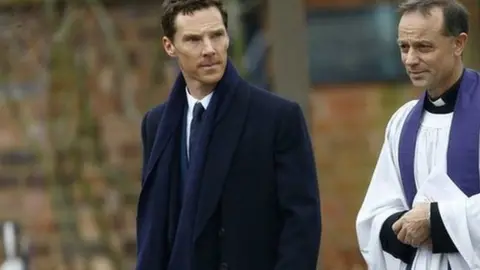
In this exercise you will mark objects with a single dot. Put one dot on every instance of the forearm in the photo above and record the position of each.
(441, 241)
(391, 244)
(300, 239)
(298, 194)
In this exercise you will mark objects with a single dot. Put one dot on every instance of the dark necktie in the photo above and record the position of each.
(195, 128)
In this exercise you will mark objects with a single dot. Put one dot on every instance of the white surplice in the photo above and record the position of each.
(461, 215)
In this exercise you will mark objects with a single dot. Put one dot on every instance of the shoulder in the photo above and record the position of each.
(154, 114)
(269, 103)
(398, 118)
(473, 71)
(277, 115)
(151, 119)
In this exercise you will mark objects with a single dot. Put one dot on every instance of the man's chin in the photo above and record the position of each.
(420, 83)
(211, 78)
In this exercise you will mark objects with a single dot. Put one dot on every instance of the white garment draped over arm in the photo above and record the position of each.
(384, 197)
(461, 218)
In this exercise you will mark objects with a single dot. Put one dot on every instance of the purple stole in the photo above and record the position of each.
(463, 145)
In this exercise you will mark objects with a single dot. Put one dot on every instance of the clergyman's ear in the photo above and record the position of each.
(460, 44)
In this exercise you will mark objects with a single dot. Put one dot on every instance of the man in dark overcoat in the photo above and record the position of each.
(229, 178)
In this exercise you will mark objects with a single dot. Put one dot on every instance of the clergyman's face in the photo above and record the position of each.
(428, 54)
(200, 45)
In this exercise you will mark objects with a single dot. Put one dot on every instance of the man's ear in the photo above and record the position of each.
(228, 41)
(460, 43)
(168, 46)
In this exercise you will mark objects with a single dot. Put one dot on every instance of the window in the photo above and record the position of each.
(354, 45)
(344, 46)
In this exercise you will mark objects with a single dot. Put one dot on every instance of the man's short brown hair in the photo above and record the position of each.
(455, 15)
(171, 8)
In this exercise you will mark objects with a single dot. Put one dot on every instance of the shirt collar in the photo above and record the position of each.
(446, 102)
(191, 100)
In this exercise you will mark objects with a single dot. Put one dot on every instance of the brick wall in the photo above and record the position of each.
(347, 130)
(348, 124)
(86, 209)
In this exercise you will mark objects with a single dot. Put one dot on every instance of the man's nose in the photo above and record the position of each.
(208, 48)
(411, 58)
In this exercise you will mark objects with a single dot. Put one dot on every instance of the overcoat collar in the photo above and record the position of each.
(230, 102)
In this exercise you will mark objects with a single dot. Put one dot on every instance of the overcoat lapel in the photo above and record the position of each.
(171, 118)
(153, 206)
(227, 129)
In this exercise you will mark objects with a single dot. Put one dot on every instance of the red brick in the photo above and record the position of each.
(348, 126)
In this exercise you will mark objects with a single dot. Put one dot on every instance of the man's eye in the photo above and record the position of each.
(193, 39)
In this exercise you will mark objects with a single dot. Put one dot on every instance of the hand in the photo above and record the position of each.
(427, 243)
(414, 227)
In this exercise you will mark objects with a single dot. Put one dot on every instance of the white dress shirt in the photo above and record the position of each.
(191, 101)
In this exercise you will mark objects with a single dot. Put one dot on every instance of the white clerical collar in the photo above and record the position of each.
(191, 100)
(438, 103)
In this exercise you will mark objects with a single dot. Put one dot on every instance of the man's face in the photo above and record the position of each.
(200, 44)
(429, 56)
